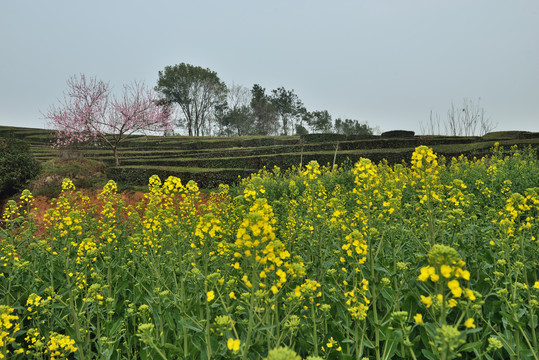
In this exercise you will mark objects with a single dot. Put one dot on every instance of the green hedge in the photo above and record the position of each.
(398, 134)
(17, 165)
(134, 175)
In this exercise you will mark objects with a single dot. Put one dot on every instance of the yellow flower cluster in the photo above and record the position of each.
(355, 247)
(357, 301)
(255, 239)
(208, 225)
(282, 256)
(34, 301)
(425, 172)
(446, 271)
(425, 159)
(108, 222)
(310, 289)
(8, 327)
(312, 170)
(63, 220)
(60, 346)
(24, 208)
(445, 264)
(253, 189)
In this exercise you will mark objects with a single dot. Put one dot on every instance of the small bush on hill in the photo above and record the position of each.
(85, 173)
(398, 134)
(17, 166)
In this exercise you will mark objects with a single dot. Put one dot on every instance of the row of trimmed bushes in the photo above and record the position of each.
(136, 175)
(198, 158)
(210, 160)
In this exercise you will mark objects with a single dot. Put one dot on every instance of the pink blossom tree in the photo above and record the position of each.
(89, 113)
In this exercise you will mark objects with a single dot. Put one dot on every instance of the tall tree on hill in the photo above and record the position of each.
(266, 117)
(288, 107)
(352, 127)
(320, 121)
(199, 93)
(237, 117)
(89, 113)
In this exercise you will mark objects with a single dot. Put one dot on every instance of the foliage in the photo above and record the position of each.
(236, 118)
(197, 91)
(266, 119)
(17, 165)
(86, 173)
(398, 134)
(87, 113)
(320, 121)
(352, 127)
(436, 260)
(288, 107)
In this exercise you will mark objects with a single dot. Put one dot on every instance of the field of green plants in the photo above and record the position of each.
(435, 260)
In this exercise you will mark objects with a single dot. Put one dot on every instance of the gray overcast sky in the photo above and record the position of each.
(387, 62)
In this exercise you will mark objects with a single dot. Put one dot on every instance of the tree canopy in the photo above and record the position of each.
(197, 91)
(89, 112)
(209, 107)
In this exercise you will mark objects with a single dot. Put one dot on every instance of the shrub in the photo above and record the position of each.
(398, 134)
(17, 166)
(85, 173)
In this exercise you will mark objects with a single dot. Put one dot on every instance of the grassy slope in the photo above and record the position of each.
(211, 160)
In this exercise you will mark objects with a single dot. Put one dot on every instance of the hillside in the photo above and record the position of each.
(213, 160)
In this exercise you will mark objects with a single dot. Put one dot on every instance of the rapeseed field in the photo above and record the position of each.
(437, 259)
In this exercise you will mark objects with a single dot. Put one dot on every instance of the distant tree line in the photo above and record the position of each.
(204, 105)
(189, 97)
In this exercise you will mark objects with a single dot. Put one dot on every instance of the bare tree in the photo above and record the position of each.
(433, 126)
(466, 120)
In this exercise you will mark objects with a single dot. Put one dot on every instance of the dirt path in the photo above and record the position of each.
(43, 203)
(131, 197)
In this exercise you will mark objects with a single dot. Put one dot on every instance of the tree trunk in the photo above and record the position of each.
(116, 160)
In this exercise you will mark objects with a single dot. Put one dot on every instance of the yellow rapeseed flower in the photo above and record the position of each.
(465, 274)
(440, 298)
(331, 342)
(469, 323)
(455, 288)
(233, 344)
(418, 318)
(470, 295)
(426, 300)
(424, 276)
(446, 270)
(210, 295)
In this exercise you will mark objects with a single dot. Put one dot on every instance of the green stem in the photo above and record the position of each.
(315, 331)
(208, 313)
(185, 339)
(249, 325)
(75, 317)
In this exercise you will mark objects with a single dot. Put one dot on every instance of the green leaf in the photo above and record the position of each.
(172, 348)
(471, 346)
(509, 318)
(190, 326)
(429, 355)
(267, 327)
